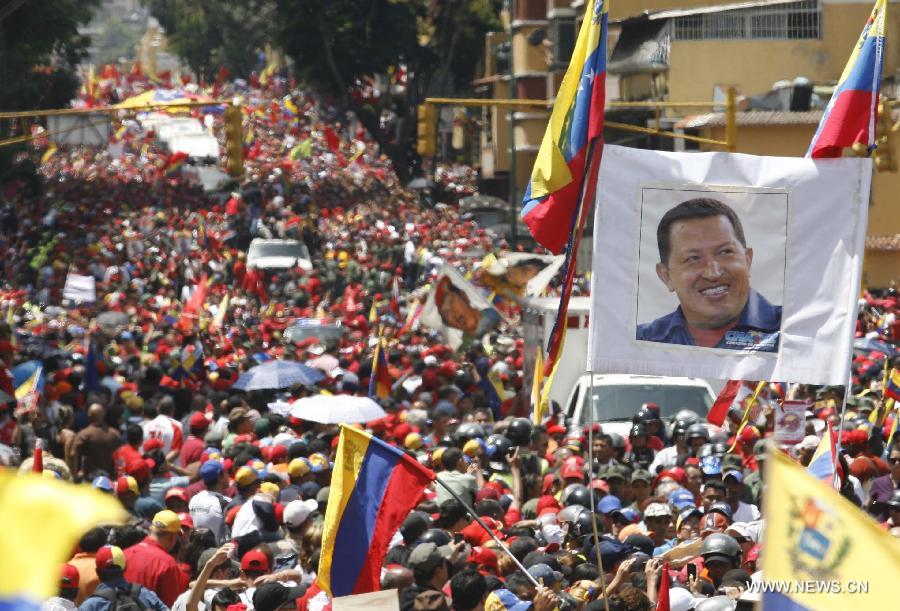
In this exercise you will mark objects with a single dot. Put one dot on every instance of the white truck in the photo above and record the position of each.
(616, 397)
(537, 320)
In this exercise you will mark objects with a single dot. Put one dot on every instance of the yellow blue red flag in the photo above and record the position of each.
(892, 386)
(380, 380)
(554, 192)
(565, 172)
(45, 519)
(374, 486)
(820, 551)
(851, 112)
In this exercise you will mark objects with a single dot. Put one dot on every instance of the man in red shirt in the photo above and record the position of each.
(130, 450)
(193, 446)
(150, 564)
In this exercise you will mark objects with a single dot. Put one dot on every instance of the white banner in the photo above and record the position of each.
(727, 266)
(80, 289)
(457, 309)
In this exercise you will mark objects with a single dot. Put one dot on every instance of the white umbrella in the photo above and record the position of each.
(336, 409)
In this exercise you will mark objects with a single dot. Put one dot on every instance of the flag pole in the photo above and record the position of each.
(596, 532)
(488, 531)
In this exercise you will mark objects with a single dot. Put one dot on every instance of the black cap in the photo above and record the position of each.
(270, 596)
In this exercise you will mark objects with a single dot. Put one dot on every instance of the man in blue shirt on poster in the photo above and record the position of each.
(705, 261)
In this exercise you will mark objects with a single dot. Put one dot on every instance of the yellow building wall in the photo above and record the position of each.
(880, 268)
(697, 66)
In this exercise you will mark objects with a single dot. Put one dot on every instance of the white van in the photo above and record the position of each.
(618, 397)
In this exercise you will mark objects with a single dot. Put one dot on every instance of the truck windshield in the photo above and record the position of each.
(621, 402)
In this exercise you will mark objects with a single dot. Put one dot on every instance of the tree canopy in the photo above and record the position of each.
(39, 52)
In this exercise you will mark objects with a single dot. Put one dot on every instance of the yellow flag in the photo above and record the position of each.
(820, 550)
(49, 153)
(44, 520)
(11, 323)
(220, 315)
(747, 410)
(536, 386)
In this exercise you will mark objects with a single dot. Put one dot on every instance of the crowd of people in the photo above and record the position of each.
(226, 491)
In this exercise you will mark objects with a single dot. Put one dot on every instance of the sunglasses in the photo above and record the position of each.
(894, 460)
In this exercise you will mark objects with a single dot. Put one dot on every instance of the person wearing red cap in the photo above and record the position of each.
(192, 448)
(130, 450)
(68, 591)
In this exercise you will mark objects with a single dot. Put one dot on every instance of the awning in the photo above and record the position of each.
(642, 47)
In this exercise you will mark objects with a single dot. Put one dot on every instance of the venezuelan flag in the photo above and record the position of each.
(815, 534)
(565, 172)
(380, 380)
(374, 486)
(174, 163)
(851, 112)
(45, 519)
(892, 386)
(821, 466)
(553, 196)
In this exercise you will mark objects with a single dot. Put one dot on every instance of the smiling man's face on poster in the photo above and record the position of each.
(708, 266)
(705, 260)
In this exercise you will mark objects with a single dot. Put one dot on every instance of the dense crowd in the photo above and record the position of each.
(226, 491)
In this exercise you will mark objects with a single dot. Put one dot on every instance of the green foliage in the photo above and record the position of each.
(211, 33)
(39, 49)
(337, 44)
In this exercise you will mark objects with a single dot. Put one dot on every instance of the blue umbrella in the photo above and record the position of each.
(23, 374)
(278, 374)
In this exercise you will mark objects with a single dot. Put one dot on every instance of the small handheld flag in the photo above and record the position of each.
(380, 381)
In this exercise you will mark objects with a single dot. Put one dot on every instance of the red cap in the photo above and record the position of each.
(487, 493)
(186, 519)
(176, 493)
(198, 421)
(153, 444)
(545, 502)
(277, 452)
(571, 469)
(139, 470)
(484, 557)
(69, 577)
(255, 560)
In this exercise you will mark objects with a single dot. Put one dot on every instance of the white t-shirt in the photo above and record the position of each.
(161, 428)
(204, 603)
(206, 512)
(745, 512)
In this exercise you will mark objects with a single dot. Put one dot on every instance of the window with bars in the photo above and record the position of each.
(791, 21)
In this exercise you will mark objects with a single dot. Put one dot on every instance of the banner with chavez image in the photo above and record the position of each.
(727, 266)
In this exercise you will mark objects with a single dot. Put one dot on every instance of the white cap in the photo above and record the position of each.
(681, 599)
(296, 512)
(430, 360)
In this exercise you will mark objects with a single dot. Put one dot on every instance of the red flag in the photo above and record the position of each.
(192, 307)
(662, 598)
(333, 140)
(723, 402)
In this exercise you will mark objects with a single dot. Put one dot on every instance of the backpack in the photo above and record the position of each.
(122, 601)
